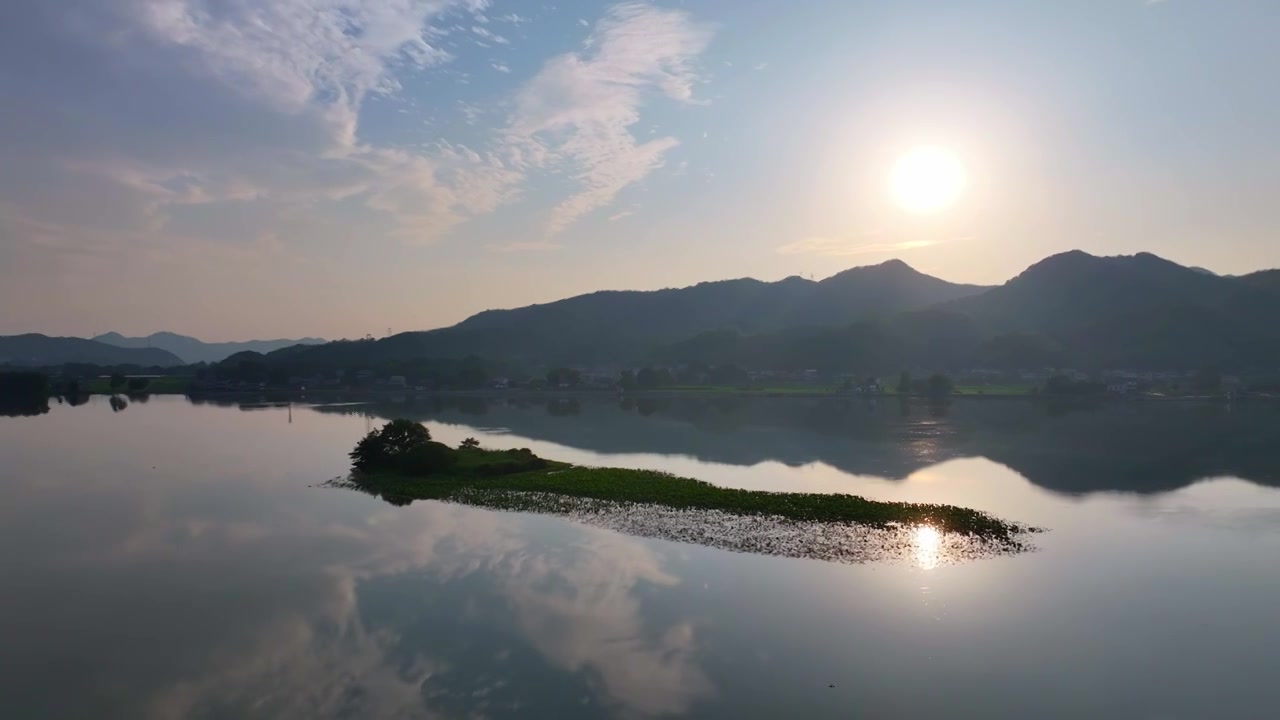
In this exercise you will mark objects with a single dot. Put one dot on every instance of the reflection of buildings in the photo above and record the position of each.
(1136, 447)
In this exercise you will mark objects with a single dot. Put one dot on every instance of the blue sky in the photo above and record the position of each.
(229, 168)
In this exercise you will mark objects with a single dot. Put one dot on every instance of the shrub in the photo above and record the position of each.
(470, 443)
(431, 457)
(514, 461)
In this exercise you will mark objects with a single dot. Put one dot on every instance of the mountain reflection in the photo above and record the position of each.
(1141, 447)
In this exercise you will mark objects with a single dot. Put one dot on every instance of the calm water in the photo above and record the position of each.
(172, 560)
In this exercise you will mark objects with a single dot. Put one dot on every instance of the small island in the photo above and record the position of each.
(401, 463)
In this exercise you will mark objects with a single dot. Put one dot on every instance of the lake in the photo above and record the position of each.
(167, 559)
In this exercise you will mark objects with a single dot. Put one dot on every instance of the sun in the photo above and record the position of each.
(927, 179)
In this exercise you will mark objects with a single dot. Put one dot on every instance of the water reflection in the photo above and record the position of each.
(928, 543)
(1142, 447)
(182, 563)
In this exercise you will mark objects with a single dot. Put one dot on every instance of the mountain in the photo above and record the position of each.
(626, 326)
(1130, 311)
(192, 350)
(1068, 310)
(1263, 279)
(39, 350)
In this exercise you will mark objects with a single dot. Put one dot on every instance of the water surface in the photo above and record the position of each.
(173, 560)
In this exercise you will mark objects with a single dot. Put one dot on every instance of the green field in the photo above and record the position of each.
(965, 390)
(994, 389)
(753, 390)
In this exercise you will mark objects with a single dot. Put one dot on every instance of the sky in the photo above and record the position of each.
(237, 169)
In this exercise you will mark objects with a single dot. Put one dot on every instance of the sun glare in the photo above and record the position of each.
(928, 544)
(927, 179)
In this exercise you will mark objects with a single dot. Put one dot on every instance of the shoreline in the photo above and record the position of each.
(569, 394)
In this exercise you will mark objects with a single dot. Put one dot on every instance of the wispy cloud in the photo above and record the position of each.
(296, 55)
(574, 115)
(524, 246)
(249, 109)
(620, 215)
(835, 247)
(219, 121)
(490, 36)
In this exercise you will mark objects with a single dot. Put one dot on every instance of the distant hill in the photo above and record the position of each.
(192, 350)
(1263, 279)
(37, 350)
(626, 326)
(1130, 311)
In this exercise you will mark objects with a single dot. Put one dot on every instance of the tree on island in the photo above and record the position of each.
(401, 445)
(904, 383)
(116, 381)
(469, 443)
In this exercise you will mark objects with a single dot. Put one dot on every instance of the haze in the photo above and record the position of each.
(341, 167)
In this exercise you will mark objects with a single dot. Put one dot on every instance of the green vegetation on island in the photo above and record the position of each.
(401, 463)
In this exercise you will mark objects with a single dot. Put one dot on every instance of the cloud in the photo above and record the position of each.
(524, 246)
(490, 36)
(295, 55)
(158, 128)
(619, 215)
(574, 115)
(201, 101)
(833, 247)
(500, 67)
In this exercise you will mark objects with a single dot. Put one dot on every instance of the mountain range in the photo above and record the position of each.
(192, 350)
(1071, 309)
(630, 326)
(1068, 310)
(35, 350)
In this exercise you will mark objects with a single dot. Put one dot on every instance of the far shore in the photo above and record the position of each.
(383, 393)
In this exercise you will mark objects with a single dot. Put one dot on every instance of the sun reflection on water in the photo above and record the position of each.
(928, 543)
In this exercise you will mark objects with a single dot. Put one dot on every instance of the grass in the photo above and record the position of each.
(467, 483)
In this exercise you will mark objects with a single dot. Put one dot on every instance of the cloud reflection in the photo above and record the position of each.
(287, 629)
